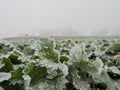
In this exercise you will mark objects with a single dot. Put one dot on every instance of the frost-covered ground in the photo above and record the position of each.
(64, 64)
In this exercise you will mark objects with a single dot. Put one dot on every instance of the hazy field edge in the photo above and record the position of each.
(62, 37)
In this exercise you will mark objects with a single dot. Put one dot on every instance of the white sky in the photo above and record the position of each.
(58, 17)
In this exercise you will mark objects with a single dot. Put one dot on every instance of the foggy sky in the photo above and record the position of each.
(59, 17)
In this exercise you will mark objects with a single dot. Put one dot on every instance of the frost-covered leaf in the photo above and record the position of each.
(103, 77)
(99, 65)
(46, 64)
(28, 50)
(27, 80)
(48, 50)
(64, 68)
(73, 75)
(16, 53)
(4, 76)
(1, 88)
(85, 66)
(114, 69)
(46, 85)
(59, 84)
(78, 53)
(82, 85)
(54, 69)
(1, 64)
(5, 47)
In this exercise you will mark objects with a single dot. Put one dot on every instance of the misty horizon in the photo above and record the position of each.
(59, 17)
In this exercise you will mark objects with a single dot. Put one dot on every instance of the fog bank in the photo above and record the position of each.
(59, 17)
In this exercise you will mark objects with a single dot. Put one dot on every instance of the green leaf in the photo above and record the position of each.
(4, 76)
(54, 70)
(14, 55)
(73, 75)
(17, 76)
(85, 66)
(63, 58)
(8, 66)
(101, 85)
(113, 49)
(48, 50)
(37, 73)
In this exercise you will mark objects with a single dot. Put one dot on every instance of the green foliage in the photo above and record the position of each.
(17, 76)
(37, 74)
(46, 64)
(114, 49)
(63, 58)
(48, 51)
(8, 66)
